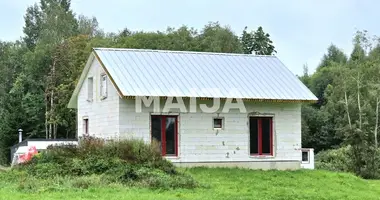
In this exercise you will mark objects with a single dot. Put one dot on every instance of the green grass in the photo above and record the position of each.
(219, 183)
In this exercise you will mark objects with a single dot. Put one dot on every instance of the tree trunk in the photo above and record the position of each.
(359, 107)
(55, 130)
(377, 120)
(348, 113)
(51, 114)
(46, 116)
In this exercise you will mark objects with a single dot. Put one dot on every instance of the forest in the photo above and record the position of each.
(40, 71)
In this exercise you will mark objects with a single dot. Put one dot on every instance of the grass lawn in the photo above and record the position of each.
(219, 183)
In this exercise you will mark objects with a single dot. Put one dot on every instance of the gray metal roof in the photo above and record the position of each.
(139, 72)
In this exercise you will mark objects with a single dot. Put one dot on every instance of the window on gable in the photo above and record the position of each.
(261, 135)
(90, 89)
(86, 126)
(103, 86)
(218, 123)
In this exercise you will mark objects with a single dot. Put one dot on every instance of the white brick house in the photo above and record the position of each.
(266, 135)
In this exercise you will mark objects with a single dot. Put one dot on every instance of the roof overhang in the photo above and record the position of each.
(73, 103)
(245, 99)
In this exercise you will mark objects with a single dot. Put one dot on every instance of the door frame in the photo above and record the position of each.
(259, 139)
(163, 133)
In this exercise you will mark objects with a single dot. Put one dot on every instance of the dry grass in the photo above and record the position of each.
(3, 169)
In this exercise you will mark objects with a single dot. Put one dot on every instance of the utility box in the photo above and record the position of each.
(307, 161)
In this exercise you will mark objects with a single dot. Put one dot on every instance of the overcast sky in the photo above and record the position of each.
(301, 29)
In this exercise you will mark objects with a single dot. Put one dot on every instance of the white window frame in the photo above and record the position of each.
(86, 126)
(308, 156)
(103, 86)
(90, 89)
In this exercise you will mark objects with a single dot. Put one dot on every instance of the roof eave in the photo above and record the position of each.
(73, 103)
(313, 100)
(108, 74)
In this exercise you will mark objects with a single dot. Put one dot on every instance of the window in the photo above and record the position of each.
(90, 90)
(164, 130)
(218, 123)
(86, 126)
(261, 136)
(305, 156)
(103, 86)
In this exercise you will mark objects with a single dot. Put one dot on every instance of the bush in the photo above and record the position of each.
(342, 160)
(334, 160)
(130, 162)
(85, 182)
(148, 177)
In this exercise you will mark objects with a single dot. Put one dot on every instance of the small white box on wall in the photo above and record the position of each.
(307, 161)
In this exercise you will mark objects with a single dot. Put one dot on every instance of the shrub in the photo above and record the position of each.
(130, 162)
(333, 159)
(84, 182)
(27, 184)
(342, 159)
(46, 169)
(153, 178)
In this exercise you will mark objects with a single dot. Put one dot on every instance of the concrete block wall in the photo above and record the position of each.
(132, 124)
(103, 114)
(45, 144)
(199, 142)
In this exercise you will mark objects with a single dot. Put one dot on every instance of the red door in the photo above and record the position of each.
(164, 129)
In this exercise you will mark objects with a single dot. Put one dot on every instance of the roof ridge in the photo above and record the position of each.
(184, 52)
